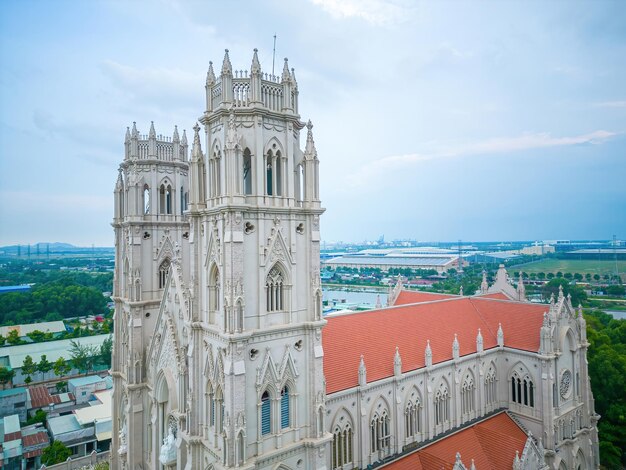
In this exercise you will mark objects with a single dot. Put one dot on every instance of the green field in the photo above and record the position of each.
(600, 267)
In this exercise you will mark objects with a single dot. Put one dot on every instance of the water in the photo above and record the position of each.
(617, 314)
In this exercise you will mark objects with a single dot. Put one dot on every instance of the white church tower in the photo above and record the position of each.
(218, 357)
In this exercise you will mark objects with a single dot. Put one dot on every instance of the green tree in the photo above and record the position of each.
(106, 349)
(552, 288)
(61, 367)
(44, 366)
(82, 356)
(568, 276)
(550, 276)
(38, 417)
(541, 276)
(57, 452)
(615, 290)
(61, 386)
(578, 276)
(588, 277)
(2, 340)
(596, 277)
(36, 336)
(6, 376)
(13, 337)
(29, 367)
(559, 274)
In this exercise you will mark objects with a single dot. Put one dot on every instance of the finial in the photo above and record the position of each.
(362, 372)
(210, 75)
(183, 141)
(196, 149)
(135, 133)
(310, 149)
(472, 466)
(127, 136)
(455, 347)
(152, 133)
(293, 77)
(560, 291)
(479, 341)
(500, 335)
(227, 68)
(428, 354)
(461, 290)
(458, 457)
(175, 137)
(378, 302)
(286, 75)
(256, 65)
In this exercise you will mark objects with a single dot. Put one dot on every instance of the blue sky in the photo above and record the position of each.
(439, 120)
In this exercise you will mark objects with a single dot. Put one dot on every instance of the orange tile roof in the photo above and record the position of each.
(413, 297)
(376, 333)
(491, 443)
(495, 295)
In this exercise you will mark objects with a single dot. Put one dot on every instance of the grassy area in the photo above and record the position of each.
(600, 267)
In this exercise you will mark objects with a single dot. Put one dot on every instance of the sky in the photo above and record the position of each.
(434, 121)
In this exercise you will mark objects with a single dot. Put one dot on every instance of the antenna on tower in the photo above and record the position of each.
(274, 54)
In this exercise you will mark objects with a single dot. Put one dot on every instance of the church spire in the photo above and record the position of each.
(286, 75)
(255, 68)
(227, 68)
(175, 137)
(210, 75)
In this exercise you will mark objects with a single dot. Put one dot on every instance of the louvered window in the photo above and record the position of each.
(266, 424)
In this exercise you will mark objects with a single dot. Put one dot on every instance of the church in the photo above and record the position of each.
(223, 359)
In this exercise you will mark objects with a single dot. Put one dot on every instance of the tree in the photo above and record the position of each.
(36, 336)
(82, 356)
(550, 276)
(6, 376)
(559, 274)
(29, 367)
(57, 452)
(578, 276)
(13, 337)
(596, 277)
(552, 288)
(568, 276)
(44, 366)
(588, 277)
(615, 290)
(106, 349)
(2, 340)
(39, 417)
(541, 276)
(61, 367)
(61, 386)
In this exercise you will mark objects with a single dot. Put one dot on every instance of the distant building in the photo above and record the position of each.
(54, 327)
(13, 356)
(439, 263)
(14, 401)
(7, 289)
(98, 414)
(81, 440)
(84, 387)
(21, 447)
(40, 398)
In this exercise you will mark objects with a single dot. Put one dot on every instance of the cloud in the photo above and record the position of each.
(374, 169)
(169, 86)
(611, 104)
(377, 12)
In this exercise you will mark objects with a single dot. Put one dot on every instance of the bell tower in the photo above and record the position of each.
(254, 215)
(151, 197)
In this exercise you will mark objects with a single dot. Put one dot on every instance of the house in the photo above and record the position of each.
(14, 401)
(83, 387)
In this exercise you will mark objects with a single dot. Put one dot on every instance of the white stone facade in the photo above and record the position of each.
(218, 359)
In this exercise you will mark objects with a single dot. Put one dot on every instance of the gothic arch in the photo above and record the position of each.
(273, 145)
(521, 385)
(568, 340)
(379, 409)
(342, 412)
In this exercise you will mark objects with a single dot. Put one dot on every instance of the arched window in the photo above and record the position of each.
(490, 387)
(412, 418)
(522, 390)
(269, 173)
(214, 292)
(219, 411)
(442, 405)
(275, 290)
(214, 172)
(162, 199)
(266, 414)
(168, 199)
(279, 173)
(467, 396)
(163, 270)
(284, 408)
(146, 199)
(210, 396)
(342, 446)
(182, 200)
(241, 449)
(239, 316)
(379, 432)
(299, 184)
(247, 172)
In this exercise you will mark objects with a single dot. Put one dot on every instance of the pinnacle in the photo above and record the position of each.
(210, 75)
(227, 68)
(286, 75)
(256, 65)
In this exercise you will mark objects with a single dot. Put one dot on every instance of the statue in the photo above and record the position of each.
(122, 437)
(167, 456)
